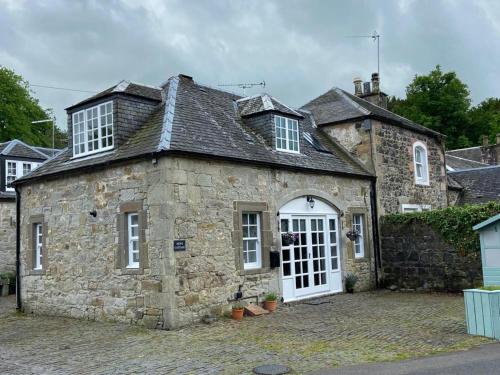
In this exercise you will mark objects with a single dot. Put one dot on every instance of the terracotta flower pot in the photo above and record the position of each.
(270, 305)
(237, 314)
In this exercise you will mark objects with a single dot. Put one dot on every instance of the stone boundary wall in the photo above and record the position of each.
(414, 256)
(7, 236)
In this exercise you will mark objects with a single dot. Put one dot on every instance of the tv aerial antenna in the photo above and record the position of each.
(244, 86)
(376, 38)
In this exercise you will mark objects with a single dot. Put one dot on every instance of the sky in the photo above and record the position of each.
(299, 48)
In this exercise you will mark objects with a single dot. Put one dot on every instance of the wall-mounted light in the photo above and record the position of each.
(93, 213)
(311, 201)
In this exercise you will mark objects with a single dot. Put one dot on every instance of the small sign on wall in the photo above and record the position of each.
(179, 245)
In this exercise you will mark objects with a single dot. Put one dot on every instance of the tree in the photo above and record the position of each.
(485, 120)
(18, 108)
(439, 101)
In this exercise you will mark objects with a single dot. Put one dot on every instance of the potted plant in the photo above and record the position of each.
(270, 302)
(350, 281)
(237, 311)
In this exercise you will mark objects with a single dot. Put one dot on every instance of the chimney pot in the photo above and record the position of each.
(375, 83)
(357, 86)
(366, 88)
(486, 142)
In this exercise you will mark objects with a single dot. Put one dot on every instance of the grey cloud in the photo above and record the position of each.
(300, 48)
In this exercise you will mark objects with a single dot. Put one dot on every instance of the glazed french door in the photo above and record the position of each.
(306, 259)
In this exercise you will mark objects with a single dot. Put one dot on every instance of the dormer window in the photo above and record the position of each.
(93, 129)
(287, 134)
(421, 164)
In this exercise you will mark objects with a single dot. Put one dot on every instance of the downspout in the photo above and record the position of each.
(18, 249)
(374, 211)
(374, 206)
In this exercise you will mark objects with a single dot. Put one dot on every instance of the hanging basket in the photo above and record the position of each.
(352, 235)
(289, 238)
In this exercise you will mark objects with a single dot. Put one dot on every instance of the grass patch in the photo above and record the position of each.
(491, 288)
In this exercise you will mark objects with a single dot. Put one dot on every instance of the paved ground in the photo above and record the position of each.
(341, 330)
(484, 360)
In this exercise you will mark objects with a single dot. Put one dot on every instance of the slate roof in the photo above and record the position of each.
(262, 103)
(480, 185)
(17, 148)
(125, 87)
(337, 105)
(7, 195)
(470, 153)
(458, 163)
(453, 184)
(199, 120)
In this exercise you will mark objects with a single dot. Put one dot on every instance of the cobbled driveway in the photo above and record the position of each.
(334, 331)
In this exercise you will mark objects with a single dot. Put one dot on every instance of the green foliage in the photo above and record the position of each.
(238, 305)
(485, 120)
(271, 297)
(491, 288)
(350, 280)
(454, 223)
(10, 277)
(18, 108)
(439, 101)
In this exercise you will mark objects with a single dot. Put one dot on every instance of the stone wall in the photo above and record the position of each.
(388, 149)
(395, 169)
(415, 257)
(184, 198)
(7, 236)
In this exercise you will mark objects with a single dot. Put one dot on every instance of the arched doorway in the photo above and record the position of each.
(310, 253)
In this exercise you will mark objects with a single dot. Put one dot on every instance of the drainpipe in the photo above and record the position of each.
(374, 211)
(18, 249)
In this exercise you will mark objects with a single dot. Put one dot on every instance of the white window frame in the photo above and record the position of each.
(289, 125)
(424, 179)
(38, 229)
(407, 208)
(245, 240)
(132, 239)
(19, 170)
(79, 121)
(359, 242)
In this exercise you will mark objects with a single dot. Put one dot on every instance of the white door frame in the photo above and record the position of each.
(299, 209)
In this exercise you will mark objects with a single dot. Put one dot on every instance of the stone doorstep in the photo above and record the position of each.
(255, 310)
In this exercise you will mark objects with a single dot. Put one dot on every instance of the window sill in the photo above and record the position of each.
(361, 259)
(92, 154)
(132, 271)
(255, 271)
(36, 272)
(288, 151)
(422, 183)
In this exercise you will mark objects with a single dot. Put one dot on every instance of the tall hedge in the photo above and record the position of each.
(454, 223)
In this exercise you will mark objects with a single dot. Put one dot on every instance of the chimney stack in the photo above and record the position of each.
(498, 139)
(357, 86)
(366, 88)
(375, 83)
(486, 142)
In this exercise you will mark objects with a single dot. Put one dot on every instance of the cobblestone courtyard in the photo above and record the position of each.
(335, 331)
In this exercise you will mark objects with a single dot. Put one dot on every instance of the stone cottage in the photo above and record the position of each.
(16, 159)
(169, 200)
(407, 158)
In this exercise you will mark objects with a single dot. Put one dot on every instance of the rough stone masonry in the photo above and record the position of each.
(183, 198)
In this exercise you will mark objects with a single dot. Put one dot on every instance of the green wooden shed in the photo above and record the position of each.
(489, 234)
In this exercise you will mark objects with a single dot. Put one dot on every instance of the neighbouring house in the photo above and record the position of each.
(477, 185)
(169, 200)
(407, 158)
(485, 154)
(474, 173)
(16, 160)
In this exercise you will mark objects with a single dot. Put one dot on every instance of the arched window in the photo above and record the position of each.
(420, 163)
